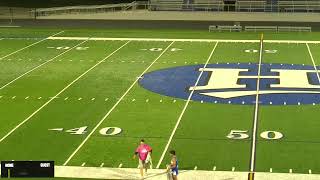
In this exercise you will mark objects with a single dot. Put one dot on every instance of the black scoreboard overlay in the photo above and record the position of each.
(27, 169)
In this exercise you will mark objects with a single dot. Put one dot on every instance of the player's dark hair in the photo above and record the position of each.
(142, 140)
(173, 152)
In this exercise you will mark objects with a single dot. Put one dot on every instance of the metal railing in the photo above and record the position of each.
(85, 9)
(241, 6)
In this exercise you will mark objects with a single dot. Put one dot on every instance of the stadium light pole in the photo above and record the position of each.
(11, 15)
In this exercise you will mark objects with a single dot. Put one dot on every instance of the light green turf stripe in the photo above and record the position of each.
(184, 108)
(65, 88)
(12, 81)
(31, 45)
(115, 105)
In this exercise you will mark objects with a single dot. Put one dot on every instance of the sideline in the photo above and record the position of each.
(184, 40)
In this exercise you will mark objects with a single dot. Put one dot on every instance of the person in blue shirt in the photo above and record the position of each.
(173, 166)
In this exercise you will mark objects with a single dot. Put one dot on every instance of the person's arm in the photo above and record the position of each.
(168, 168)
(135, 154)
(149, 149)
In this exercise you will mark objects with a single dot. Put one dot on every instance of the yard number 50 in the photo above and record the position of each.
(240, 134)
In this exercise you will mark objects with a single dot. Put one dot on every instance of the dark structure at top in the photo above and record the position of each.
(56, 3)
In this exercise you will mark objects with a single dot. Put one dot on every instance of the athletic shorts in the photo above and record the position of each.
(175, 173)
(143, 164)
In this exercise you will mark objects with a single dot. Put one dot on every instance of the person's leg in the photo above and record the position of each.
(141, 167)
(150, 162)
(146, 166)
(141, 172)
(174, 177)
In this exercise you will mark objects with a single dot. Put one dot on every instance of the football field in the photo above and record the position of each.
(230, 104)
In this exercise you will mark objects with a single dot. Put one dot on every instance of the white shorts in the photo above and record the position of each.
(174, 173)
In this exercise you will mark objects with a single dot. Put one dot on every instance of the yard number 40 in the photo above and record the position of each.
(240, 134)
(107, 131)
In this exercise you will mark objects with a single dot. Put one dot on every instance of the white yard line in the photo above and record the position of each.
(41, 65)
(313, 62)
(10, 26)
(186, 40)
(256, 110)
(159, 174)
(51, 99)
(31, 45)
(115, 105)
(184, 108)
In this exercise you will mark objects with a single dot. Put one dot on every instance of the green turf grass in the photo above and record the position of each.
(158, 117)
(13, 45)
(201, 137)
(155, 33)
(298, 124)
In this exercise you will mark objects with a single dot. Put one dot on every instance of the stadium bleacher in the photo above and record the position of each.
(208, 5)
(245, 5)
(240, 5)
(299, 6)
(166, 5)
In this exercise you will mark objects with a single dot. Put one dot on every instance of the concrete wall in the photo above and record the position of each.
(169, 20)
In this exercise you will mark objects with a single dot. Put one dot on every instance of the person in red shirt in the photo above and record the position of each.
(144, 153)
